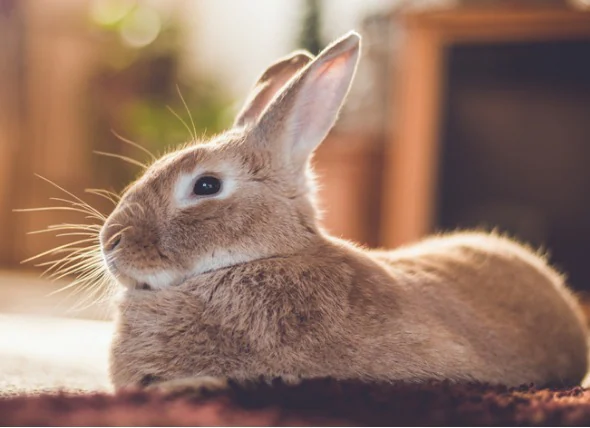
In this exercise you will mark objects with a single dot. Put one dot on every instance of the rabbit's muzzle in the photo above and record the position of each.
(132, 254)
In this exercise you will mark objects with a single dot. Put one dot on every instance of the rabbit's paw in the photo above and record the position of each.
(194, 387)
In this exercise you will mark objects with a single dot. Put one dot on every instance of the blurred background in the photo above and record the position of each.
(463, 114)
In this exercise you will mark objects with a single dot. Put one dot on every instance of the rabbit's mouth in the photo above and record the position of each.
(153, 281)
(130, 283)
(143, 286)
(147, 281)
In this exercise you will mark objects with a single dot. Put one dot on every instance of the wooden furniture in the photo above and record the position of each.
(349, 169)
(10, 119)
(412, 152)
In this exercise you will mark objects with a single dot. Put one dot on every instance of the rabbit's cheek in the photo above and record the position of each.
(135, 269)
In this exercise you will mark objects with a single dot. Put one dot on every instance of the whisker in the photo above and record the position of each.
(82, 204)
(56, 266)
(74, 250)
(57, 227)
(121, 157)
(114, 225)
(87, 264)
(103, 194)
(69, 193)
(126, 206)
(90, 299)
(107, 192)
(89, 209)
(77, 234)
(65, 270)
(93, 297)
(81, 253)
(70, 250)
(193, 137)
(130, 204)
(63, 263)
(190, 116)
(74, 284)
(44, 253)
(31, 210)
(74, 225)
(64, 260)
(38, 232)
(77, 268)
(116, 236)
(134, 144)
(82, 258)
(91, 274)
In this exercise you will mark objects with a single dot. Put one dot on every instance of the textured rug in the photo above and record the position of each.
(314, 402)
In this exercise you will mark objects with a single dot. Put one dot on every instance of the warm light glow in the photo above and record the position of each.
(109, 12)
(141, 27)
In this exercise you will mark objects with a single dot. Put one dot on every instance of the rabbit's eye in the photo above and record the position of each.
(207, 186)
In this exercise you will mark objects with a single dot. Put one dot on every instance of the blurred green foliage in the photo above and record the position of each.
(139, 78)
(163, 125)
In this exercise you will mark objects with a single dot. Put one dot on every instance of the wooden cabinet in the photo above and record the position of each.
(349, 170)
(412, 156)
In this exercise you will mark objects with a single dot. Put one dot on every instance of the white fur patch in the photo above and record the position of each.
(221, 259)
(157, 280)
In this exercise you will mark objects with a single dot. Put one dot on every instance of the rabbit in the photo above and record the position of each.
(228, 275)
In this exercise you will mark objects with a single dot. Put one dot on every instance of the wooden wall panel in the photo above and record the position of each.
(59, 59)
(10, 122)
(349, 168)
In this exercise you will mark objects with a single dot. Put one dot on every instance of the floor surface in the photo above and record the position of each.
(44, 344)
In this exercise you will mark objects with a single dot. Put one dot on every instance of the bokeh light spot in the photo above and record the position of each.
(141, 27)
(109, 12)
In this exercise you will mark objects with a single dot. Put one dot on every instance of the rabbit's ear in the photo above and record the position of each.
(301, 116)
(269, 84)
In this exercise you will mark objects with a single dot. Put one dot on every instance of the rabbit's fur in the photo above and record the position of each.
(245, 283)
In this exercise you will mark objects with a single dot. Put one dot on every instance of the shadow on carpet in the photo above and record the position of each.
(314, 402)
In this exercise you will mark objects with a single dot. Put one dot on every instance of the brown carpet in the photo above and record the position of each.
(315, 402)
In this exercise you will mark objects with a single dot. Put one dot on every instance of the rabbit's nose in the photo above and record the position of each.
(114, 242)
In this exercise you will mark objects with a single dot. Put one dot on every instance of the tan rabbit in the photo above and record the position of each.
(228, 274)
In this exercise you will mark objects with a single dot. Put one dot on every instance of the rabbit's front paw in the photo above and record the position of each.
(195, 387)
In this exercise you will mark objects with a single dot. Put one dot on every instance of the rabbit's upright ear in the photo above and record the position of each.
(301, 116)
(269, 84)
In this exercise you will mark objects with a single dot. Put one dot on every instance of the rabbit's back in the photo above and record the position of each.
(501, 302)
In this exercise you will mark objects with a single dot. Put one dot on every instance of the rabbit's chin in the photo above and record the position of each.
(157, 280)
(160, 279)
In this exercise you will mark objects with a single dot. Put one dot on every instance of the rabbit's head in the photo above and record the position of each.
(244, 195)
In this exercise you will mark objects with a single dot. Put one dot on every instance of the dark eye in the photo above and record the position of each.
(207, 186)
